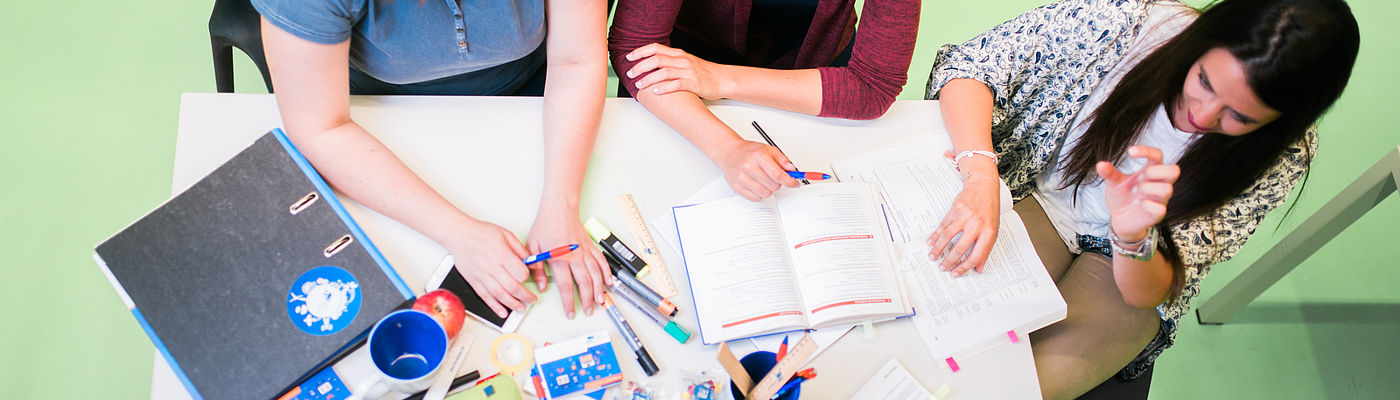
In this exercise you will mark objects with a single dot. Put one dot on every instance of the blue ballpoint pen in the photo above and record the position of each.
(558, 251)
(795, 382)
(808, 175)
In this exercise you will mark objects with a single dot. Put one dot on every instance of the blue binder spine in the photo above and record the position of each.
(146, 326)
(339, 208)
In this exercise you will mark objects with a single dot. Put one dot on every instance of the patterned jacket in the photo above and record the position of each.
(1041, 67)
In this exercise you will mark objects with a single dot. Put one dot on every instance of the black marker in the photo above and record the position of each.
(614, 246)
(643, 358)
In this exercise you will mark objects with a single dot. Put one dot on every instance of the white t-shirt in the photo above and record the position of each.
(1088, 215)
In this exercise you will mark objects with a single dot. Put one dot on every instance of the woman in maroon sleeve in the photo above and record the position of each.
(796, 55)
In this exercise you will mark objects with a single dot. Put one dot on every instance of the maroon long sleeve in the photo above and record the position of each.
(863, 89)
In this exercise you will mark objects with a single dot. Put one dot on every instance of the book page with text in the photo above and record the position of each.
(739, 269)
(841, 252)
(965, 314)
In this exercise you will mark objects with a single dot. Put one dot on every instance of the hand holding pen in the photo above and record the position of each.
(755, 170)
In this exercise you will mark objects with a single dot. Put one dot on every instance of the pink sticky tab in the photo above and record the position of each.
(953, 365)
(1012, 335)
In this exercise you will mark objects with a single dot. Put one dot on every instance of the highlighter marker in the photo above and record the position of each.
(672, 328)
(612, 245)
(643, 358)
(665, 307)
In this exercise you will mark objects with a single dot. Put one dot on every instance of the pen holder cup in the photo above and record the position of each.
(757, 365)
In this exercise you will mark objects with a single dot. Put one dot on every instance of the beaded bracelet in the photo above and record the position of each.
(969, 153)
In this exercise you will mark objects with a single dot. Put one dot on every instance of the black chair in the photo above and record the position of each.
(1114, 389)
(235, 24)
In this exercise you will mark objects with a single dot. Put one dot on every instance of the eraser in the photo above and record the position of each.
(953, 365)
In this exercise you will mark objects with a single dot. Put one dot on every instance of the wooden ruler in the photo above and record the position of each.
(796, 357)
(734, 368)
(656, 276)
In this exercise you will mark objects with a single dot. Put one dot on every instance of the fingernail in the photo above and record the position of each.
(588, 311)
(598, 298)
(639, 85)
(630, 74)
(567, 314)
(656, 90)
(957, 274)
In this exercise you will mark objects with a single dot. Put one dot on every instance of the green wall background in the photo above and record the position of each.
(91, 96)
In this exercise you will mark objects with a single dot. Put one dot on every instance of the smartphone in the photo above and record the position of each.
(447, 277)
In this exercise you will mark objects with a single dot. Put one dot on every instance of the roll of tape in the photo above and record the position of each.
(512, 353)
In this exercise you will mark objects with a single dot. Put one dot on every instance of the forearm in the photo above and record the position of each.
(314, 101)
(684, 112)
(966, 105)
(1143, 284)
(573, 106)
(357, 164)
(797, 90)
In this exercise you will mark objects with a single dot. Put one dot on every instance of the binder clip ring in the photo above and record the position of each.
(303, 203)
(337, 246)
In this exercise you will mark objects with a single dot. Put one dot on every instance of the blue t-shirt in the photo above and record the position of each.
(408, 41)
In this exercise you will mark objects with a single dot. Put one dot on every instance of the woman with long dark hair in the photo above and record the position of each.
(1144, 141)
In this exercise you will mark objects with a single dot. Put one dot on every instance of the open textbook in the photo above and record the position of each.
(955, 316)
(806, 258)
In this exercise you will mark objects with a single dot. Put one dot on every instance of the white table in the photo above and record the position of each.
(484, 155)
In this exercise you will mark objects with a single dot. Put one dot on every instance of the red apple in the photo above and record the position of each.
(445, 307)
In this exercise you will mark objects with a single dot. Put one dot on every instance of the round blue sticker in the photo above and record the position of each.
(324, 300)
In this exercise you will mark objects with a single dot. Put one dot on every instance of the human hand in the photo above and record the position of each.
(1138, 200)
(488, 257)
(755, 170)
(584, 268)
(971, 224)
(673, 70)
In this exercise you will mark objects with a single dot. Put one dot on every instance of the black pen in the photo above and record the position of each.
(775, 145)
(456, 383)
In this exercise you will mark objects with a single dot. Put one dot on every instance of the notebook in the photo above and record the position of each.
(957, 316)
(253, 277)
(807, 258)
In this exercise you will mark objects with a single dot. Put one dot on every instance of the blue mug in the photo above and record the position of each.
(407, 348)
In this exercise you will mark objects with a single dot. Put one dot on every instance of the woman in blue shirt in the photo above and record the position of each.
(319, 52)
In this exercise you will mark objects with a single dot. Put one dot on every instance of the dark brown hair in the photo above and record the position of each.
(1298, 55)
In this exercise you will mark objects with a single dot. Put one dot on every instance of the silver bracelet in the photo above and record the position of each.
(1140, 250)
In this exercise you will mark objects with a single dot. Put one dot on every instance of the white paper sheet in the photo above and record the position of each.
(955, 315)
(892, 382)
